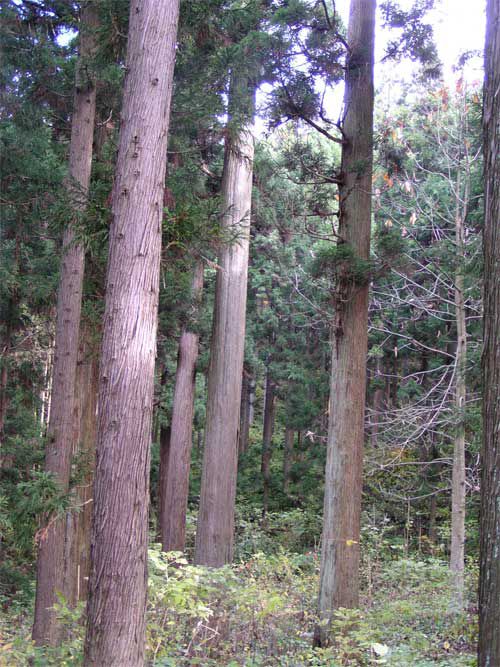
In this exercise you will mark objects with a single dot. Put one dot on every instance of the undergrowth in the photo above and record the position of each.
(262, 611)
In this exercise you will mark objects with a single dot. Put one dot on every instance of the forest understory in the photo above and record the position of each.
(262, 610)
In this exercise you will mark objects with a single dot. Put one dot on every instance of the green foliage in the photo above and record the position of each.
(341, 262)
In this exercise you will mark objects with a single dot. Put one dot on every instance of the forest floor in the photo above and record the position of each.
(261, 611)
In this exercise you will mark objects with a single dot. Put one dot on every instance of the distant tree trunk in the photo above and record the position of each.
(378, 404)
(162, 476)
(117, 588)
(52, 563)
(432, 533)
(267, 440)
(244, 432)
(458, 473)
(489, 586)
(339, 577)
(215, 530)
(78, 524)
(176, 490)
(251, 400)
(287, 458)
(46, 392)
(4, 363)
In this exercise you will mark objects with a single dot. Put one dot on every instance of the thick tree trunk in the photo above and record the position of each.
(457, 552)
(267, 439)
(117, 588)
(339, 577)
(215, 530)
(52, 564)
(287, 458)
(175, 493)
(489, 586)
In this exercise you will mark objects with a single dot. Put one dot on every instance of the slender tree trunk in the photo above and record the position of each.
(244, 432)
(162, 477)
(287, 458)
(432, 533)
(52, 563)
(378, 404)
(339, 577)
(215, 530)
(46, 393)
(117, 588)
(251, 400)
(458, 473)
(267, 439)
(79, 524)
(176, 490)
(4, 364)
(489, 583)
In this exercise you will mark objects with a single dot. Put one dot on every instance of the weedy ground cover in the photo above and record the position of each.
(262, 611)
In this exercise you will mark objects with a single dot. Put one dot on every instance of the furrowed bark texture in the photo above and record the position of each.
(339, 578)
(215, 530)
(52, 562)
(489, 581)
(175, 492)
(117, 588)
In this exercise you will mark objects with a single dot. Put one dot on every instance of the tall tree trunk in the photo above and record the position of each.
(267, 438)
(378, 404)
(162, 476)
(251, 399)
(244, 432)
(458, 473)
(52, 563)
(287, 458)
(78, 524)
(215, 530)
(117, 588)
(4, 364)
(174, 494)
(489, 586)
(339, 577)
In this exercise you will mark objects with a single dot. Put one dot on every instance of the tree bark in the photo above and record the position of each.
(457, 552)
(377, 405)
(489, 583)
(175, 492)
(339, 576)
(52, 563)
(162, 476)
(117, 588)
(267, 438)
(244, 432)
(4, 364)
(215, 529)
(287, 458)
(79, 524)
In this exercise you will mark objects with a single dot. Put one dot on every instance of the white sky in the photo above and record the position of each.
(459, 26)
